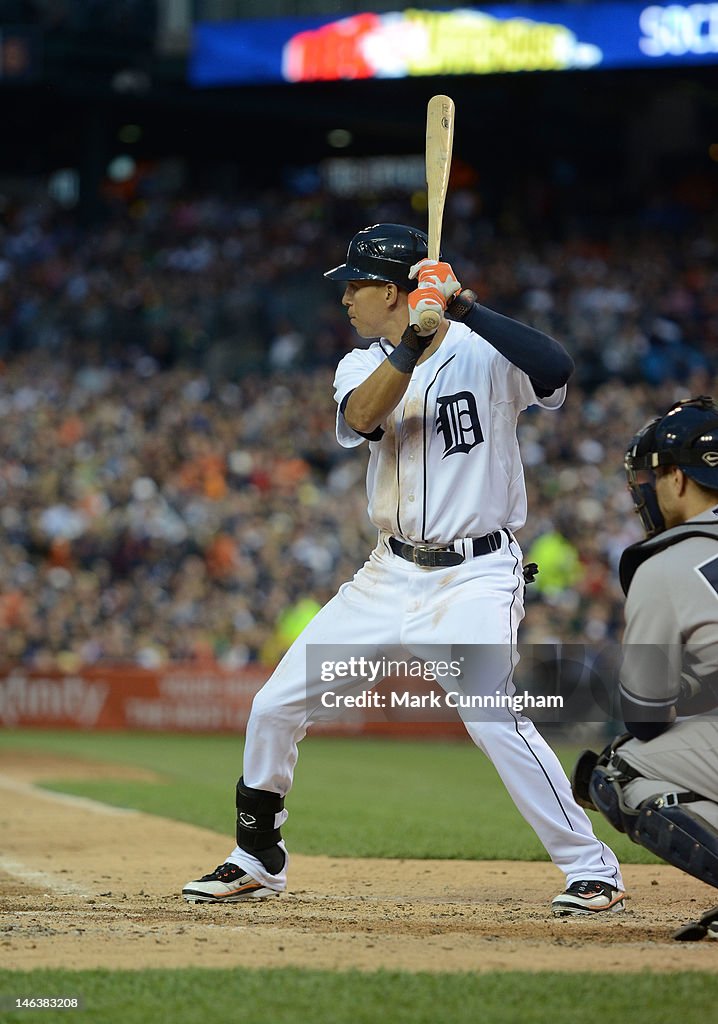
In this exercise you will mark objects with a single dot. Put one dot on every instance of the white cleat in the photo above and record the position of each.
(588, 897)
(226, 884)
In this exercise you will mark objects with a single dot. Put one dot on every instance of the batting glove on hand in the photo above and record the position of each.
(424, 299)
(438, 274)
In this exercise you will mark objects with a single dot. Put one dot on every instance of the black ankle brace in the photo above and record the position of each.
(256, 814)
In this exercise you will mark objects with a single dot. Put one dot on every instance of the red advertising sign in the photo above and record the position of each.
(179, 698)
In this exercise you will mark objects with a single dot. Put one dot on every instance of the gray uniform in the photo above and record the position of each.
(671, 650)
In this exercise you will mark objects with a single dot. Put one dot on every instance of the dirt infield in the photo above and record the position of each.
(83, 885)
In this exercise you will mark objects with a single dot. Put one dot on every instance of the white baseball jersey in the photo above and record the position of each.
(448, 465)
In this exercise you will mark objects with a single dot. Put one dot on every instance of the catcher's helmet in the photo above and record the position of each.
(383, 252)
(686, 436)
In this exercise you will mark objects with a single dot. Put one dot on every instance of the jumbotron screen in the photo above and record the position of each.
(461, 41)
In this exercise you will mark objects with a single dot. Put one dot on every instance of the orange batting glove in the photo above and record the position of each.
(426, 298)
(438, 274)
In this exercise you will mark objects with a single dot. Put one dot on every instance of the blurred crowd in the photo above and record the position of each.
(170, 484)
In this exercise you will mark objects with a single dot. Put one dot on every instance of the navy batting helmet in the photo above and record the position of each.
(686, 436)
(383, 252)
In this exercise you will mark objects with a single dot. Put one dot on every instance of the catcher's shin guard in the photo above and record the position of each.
(678, 835)
(257, 833)
(606, 795)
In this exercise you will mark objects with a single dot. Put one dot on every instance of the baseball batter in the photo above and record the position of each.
(446, 493)
(659, 781)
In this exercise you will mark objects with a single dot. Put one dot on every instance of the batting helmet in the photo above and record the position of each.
(383, 252)
(686, 436)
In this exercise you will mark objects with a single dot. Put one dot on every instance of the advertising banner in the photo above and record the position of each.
(460, 41)
(179, 698)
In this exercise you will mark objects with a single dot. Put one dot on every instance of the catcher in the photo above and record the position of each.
(658, 783)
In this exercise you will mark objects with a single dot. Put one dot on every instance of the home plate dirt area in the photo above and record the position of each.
(85, 885)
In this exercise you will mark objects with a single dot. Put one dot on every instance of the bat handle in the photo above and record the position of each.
(429, 320)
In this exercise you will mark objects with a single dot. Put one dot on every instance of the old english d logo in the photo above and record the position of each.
(458, 423)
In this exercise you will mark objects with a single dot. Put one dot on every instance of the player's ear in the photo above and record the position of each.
(391, 294)
(680, 481)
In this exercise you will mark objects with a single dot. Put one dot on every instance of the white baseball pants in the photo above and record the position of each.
(392, 602)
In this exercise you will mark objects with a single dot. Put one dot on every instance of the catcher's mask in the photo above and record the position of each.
(687, 437)
(383, 252)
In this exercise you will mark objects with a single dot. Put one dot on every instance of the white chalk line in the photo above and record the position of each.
(47, 880)
(42, 879)
(82, 802)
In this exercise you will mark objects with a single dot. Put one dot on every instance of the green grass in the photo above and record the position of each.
(291, 996)
(359, 798)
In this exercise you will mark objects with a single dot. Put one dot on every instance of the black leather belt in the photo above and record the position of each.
(427, 556)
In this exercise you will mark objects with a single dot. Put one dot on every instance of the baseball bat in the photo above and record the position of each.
(439, 142)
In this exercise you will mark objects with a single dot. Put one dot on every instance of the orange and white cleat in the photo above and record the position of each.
(228, 883)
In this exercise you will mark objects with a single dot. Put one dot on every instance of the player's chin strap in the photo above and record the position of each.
(661, 824)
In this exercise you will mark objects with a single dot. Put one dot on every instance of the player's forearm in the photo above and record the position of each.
(372, 401)
(541, 357)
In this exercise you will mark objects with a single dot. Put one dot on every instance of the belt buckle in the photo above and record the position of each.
(420, 553)
(668, 800)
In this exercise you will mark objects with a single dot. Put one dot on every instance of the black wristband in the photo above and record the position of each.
(403, 358)
(461, 304)
(409, 350)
